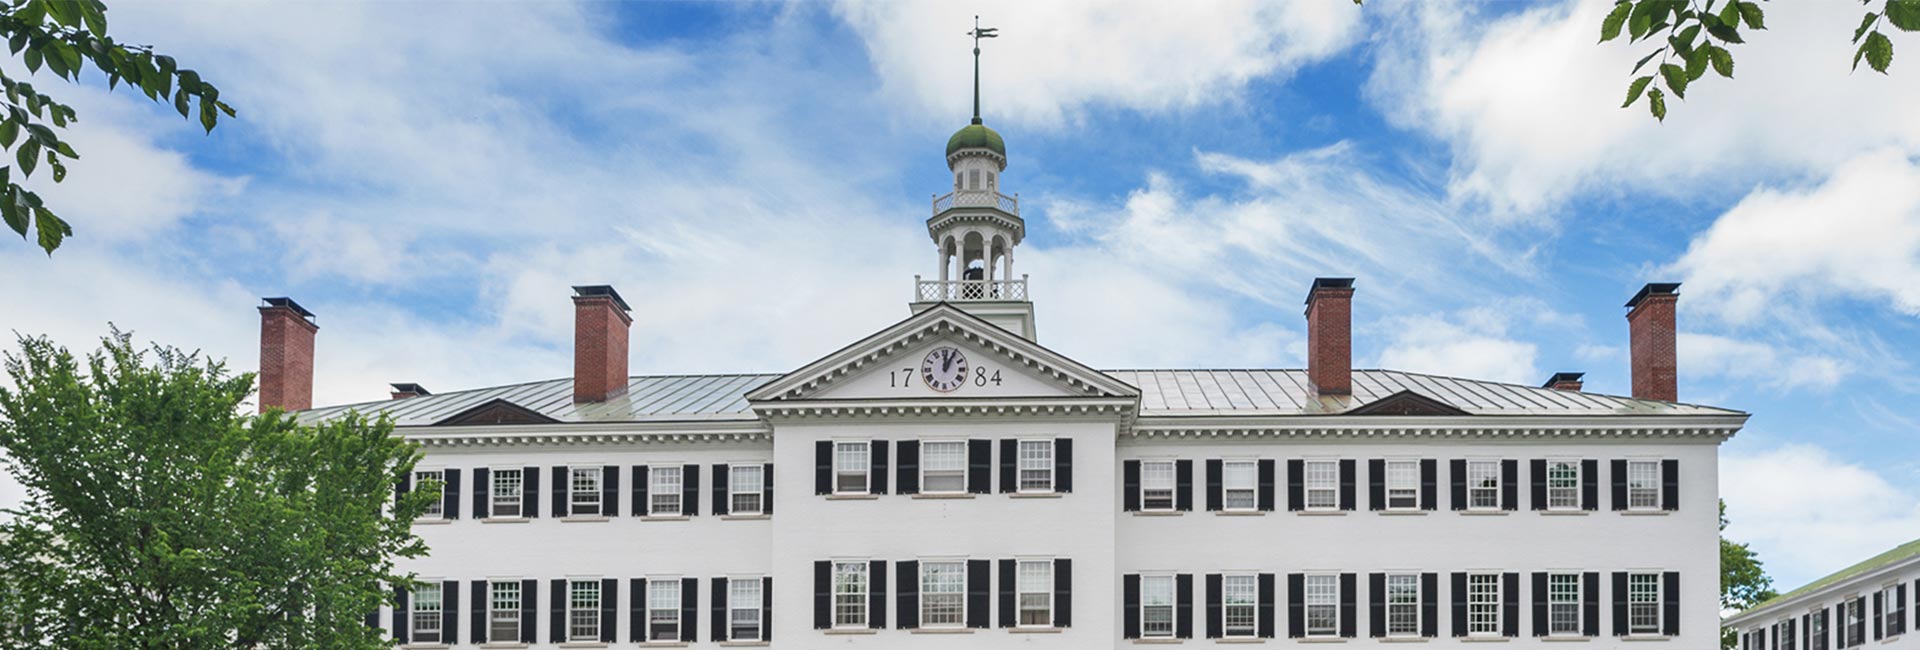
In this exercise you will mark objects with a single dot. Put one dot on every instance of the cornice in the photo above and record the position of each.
(1713, 429)
(592, 433)
(994, 216)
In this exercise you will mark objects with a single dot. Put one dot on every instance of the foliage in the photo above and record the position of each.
(63, 36)
(158, 515)
(1694, 35)
(1743, 579)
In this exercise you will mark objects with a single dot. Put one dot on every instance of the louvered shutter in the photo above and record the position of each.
(1457, 482)
(979, 466)
(822, 595)
(1007, 612)
(557, 598)
(400, 626)
(450, 494)
(559, 489)
(1296, 603)
(1267, 601)
(1590, 594)
(1510, 485)
(907, 468)
(609, 610)
(1063, 465)
(610, 490)
(1376, 484)
(1183, 605)
(481, 490)
(1214, 469)
(1430, 605)
(1296, 498)
(1459, 604)
(690, 609)
(1130, 605)
(907, 613)
(689, 490)
(1266, 469)
(530, 493)
(401, 488)
(1377, 605)
(450, 612)
(1063, 593)
(477, 610)
(1670, 594)
(1619, 470)
(637, 610)
(529, 595)
(641, 506)
(766, 607)
(1130, 487)
(1009, 466)
(1346, 484)
(1539, 604)
(1590, 484)
(1878, 618)
(717, 609)
(877, 594)
(766, 498)
(877, 473)
(978, 593)
(1349, 591)
(1620, 627)
(1429, 468)
(1510, 605)
(1539, 484)
(1214, 596)
(721, 478)
(823, 467)
(1183, 485)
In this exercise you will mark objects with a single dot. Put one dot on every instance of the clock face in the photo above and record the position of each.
(944, 369)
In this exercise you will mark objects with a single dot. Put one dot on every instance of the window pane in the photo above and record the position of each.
(1036, 465)
(663, 490)
(663, 609)
(584, 491)
(743, 602)
(1323, 604)
(747, 484)
(1156, 485)
(1156, 603)
(850, 465)
(1403, 484)
(850, 594)
(583, 610)
(1483, 484)
(943, 593)
(506, 493)
(421, 478)
(1239, 598)
(943, 467)
(1563, 603)
(1643, 603)
(504, 610)
(1403, 604)
(1563, 485)
(1035, 587)
(1239, 480)
(426, 615)
(1323, 484)
(1483, 603)
(1643, 485)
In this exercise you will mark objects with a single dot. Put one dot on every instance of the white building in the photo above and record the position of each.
(1875, 603)
(949, 482)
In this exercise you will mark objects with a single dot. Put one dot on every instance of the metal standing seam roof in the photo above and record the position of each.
(1899, 553)
(1169, 393)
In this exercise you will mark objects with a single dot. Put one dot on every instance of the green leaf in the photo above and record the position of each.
(96, 18)
(1865, 23)
(180, 102)
(59, 173)
(1697, 63)
(33, 59)
(1657, 102)
(16, 219)
(1730, 14)
(1645, 59)
(1610, 28)
(65, 150)
(1756, 19)
(1676, 78)
(190, 81)
(42, 134)
(9, 131)
(1904, 14)
(1878, 50)
(1685, 39)
(19, 40)
(28, 155)
(1725, 33)
(1634, 89)
(68, 54)
(1722, 60)
(1640, 20)
(52, 229)
(208, 115)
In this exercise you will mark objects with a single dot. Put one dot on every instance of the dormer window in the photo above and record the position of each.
(973, 179)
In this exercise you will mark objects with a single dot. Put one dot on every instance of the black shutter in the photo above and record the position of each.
(1539, 604)
(766, 503)
(1670, 485)
(1430, 605)
(530, 494)
(1377, 604)
(907, 467)
(1214, 468)
(450, 611)
(1183, 604)
(1590, 593)
(979, 466)
(529, 595)
(401, 488)
(1296, 605)
(1539, 484)
(822, 588)
(977, 593)
(1266, 484)
(1670, 592)
(877, 594)
(1183, 486)
(1376, 484)
(609, 609)
(1879, 607)
(717, 610)
(1349, 590)
(1459, 604)
(1063, 592)
(1510, 485)
(400, 627)
(637, 610)
(690, 609)
(559, 491)
(766, 605)
(906, 611)
(1510, 607)
(1295, 497)
(877, 474)
(1062, 466)
(1620, 603)
(1009, 464)
(1130, 487)
(1619, 471)
(1006, 594)
(1429, 469)
(1213, 604)
(689, 490)
(721, 478)
(450, 495)
(477, 610)
(480, 485)
(823, 467)
(1590, 484)
(641, 507)
(1346, 484)
(1267, 598)
(557, 610)
(610, 491)
(1457, 482)
(1130, 605)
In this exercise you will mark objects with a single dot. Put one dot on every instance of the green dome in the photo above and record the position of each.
(976, 136)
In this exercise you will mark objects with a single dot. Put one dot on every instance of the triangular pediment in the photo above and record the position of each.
(496, 411)
(1406, 402)
(895, 363)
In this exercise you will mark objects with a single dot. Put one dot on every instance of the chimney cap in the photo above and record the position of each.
(283, 302)
(596, 290)
(410, 388)
(1328, 283)
(1560, 377)
(1654, 289)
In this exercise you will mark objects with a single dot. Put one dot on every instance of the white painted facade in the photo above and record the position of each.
(1874, 604)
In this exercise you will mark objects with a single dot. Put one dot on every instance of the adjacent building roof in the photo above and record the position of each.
(1901, 553)
(1214, 393)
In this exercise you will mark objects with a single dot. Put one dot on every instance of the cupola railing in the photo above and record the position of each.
(969, 290)
(977, 199)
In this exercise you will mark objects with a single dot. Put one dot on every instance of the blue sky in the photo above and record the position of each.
(429, 178)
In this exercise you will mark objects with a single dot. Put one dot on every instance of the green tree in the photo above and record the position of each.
(159, 515)
(1694, 35)
(1743, 579)
(63, 36)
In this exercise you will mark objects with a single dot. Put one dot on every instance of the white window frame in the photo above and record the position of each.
(1639, 601)
(1565, 497)
(666, 487)
(943, 593)
(437, 509)
(497, 616)
(1403, 610)
(583, 617)
(850, 594)
(1034, 468)
(658, 589)
(956, 476)
(1818, 628)
(1322, 594)
(744, 596)
(841, 451)
(739, 488)
(1790, 640)
(1851, 609)
(1402, 483)
(1893, 608)
(1558, 605)
(1155, 588)
(1642, 498)
(499, 498)
(1320, 483)
(1239, 485)
(1484, 604)
(1151, 473)
(578, 499)
(1484, 471)
(1240, 605)
(418, 614)
(1033, 583)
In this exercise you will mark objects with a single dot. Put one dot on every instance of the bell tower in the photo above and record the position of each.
(975, 227)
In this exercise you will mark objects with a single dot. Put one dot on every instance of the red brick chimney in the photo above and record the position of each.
(1650, 325)
(1567, 381)
(286, 355)
(404, 390)
(600, 323)
(1330, 336)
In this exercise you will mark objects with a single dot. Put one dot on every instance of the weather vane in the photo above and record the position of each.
(977, 34)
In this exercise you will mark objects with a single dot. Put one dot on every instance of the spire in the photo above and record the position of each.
(977, 34)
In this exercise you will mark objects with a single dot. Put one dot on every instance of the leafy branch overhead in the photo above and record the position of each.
(63, 36)
(1695, 35)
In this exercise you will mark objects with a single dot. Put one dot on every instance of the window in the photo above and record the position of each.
(426, 615)
(1643, 485)
(506, 493)
(583, 610)
(421, 478)
(583, 491)
(973, 179)
(663, 490)
(503, 609)
(1403, 485)
(956, 181)
(1896, 619)
(1403, 604)
(1156, 485)
(1323, 605)
(1563, 603)
(743, 608)
(850, 594)
(1322, 484)
(1035, 591)
(663, 609)
(1563, 485)
(1156, 606)
(747, 484)
(1483, 485)
(1238, 479)
(943, 467)
(1785, 630)
(1036, 466)
(943, 594)
(1643, 603)
(850, 467)
(1850, 619)
(1483, 604)
(1817, 630)
(1239, 597)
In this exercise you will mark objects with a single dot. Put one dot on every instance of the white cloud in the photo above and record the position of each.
(1711, 355)
(1808, 513)
(1054, 60)
(1471, 343)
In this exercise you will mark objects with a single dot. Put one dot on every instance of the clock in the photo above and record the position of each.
(944, 369)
